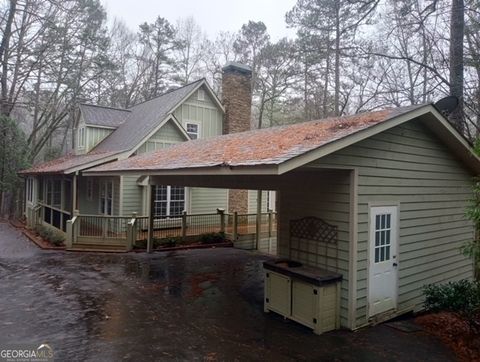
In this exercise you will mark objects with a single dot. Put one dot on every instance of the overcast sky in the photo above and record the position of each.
(212, 15)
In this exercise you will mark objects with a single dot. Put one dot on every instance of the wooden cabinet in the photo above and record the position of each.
(278, 293)
(315, 306)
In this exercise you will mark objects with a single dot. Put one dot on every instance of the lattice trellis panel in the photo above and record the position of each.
(313, 228)
(314, 242)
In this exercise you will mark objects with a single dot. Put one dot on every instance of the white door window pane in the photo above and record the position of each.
(382, 237)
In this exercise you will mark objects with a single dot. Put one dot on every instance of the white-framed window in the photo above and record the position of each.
(29, 189)
(54, 193)
(169, 201)
(81, 137)
(201, 94)
(89, 189)
(106, 197)
(193, 130)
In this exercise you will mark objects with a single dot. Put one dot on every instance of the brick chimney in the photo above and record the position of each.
(237, 97)
(237, 100)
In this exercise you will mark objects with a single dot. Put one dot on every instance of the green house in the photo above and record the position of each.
(392, 185)
(55, 190)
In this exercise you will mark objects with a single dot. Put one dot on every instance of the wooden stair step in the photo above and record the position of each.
(97, 247)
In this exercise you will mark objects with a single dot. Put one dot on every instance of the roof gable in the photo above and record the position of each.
(285, 148)
(169, 131)
(144, 118)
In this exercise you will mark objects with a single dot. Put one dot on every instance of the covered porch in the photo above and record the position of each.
(326, 195)
(90, 210)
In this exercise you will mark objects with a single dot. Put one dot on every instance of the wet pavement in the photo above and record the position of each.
(188, 305)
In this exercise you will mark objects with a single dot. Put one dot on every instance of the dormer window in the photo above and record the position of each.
(193, 130)
(81, 137)
(201, 95)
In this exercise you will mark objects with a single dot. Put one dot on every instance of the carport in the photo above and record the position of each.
(378, 198)
(304, 190)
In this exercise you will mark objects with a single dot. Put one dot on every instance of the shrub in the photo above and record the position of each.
(55, 237)
(472, 248)
(462, 297)
(212, 238)
(169, 242)
(140, 244)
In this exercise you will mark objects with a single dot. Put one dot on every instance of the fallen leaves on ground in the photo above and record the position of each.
(455, 332)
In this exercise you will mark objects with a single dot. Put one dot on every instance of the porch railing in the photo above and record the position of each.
(126, 230)
(53, 216)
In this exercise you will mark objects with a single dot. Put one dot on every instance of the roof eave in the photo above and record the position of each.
(217, 170)
(68, 171)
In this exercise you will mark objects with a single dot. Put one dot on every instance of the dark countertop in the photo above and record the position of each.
(309, 274)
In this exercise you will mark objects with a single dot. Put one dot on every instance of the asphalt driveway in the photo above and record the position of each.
(189, 305)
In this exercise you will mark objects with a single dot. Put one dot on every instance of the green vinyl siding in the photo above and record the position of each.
(94, 135)
(206, 201)
(252, 201)
(328, 199)
(408, 165)
(132, 196)
(204, 113)
(167, 135)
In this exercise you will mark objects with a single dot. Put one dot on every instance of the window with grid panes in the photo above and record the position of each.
(106, 197)
(169, 201)
(54, 193)
(382, 237)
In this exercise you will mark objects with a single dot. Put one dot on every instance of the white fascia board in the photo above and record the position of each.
(210, 171)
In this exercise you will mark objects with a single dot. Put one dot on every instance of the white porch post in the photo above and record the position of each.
(74, 192)
(151, 209)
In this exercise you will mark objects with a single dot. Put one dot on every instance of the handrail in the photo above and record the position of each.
(164, 217)
(55, 208)
(255, 214)
(100, 216)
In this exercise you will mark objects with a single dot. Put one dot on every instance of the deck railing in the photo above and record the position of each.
(126, 230)
(101, 226)
(53, 216)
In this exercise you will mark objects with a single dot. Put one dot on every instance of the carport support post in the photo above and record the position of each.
(151, 208)
(184, 225)
(270, 222)
(259, 218)
(221, 212)
(235, 226)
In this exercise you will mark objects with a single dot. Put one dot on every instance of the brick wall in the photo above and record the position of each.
(237, 100)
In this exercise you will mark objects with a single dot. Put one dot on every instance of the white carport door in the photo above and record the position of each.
(383, 259)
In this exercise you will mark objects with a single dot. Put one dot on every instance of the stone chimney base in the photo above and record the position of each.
(238, 201)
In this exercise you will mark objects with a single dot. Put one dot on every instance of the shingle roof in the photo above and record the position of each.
(270, 146)
(103, 116)
(143, 119)
(67, 162)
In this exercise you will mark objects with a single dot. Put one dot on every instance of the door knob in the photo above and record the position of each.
(395, 264)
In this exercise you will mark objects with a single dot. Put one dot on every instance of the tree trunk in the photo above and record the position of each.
(4, 49)
(337, 60)
(457, 30)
